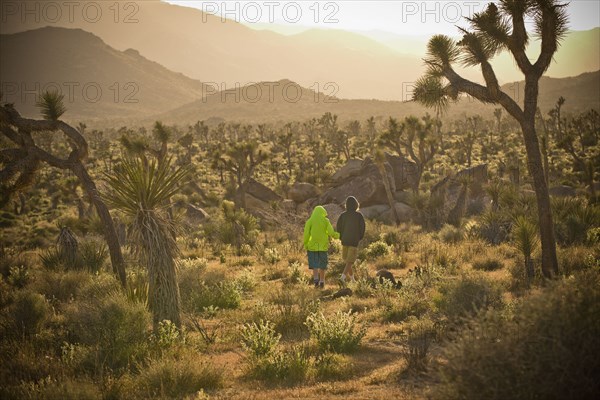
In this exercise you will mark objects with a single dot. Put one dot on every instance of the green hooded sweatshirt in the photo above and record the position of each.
(317, 231)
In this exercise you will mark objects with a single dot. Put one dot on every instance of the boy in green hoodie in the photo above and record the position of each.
(317, 232)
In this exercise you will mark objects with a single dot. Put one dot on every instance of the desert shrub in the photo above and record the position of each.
(290, 310)
(373, 231)
(467, 295)
(196, 266)
(260, 339)
(573, 218)
(487, 263)
(93, 255)
(234, 226)
(176, 378)
(10, 259)
(501, 357)
(19, 276)
(363, 287)
(385, 292)
(29, 311)
(593, 236)
(271, 256)
(573, 259)
(114, 328)
(493, 227)
(296, 275)
(137, 287)
(391, 238)
(246, 281)
(378, 249)
(420, 334)
(224, 295)
(404, 306)
(166, 335)
(61, 286)
(332, 366)
(7, 295)
(395, 262)
(56, 389)
(290, 366)
(339, 333)
(450, 234)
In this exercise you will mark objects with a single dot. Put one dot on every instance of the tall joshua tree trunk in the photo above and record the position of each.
(494, 30)
(380, 162)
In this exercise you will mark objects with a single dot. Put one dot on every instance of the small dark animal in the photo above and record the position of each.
(344, 292)
(384, 274)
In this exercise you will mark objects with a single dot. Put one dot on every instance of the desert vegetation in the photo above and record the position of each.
(166, 261)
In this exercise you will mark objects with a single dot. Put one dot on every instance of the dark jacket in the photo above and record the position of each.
(351, 226)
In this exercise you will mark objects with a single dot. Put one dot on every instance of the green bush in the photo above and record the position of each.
(339, 333)
(176, 378)
(271, 256)
(114, 328)
(93, 254)
(466, 296)
(224, 295)
(30, 311)
(378, 249)
(19, 276)
(260, 339)
(420, 335)
(487, 263)
(289, 366)
(573, 218)
(546, 349)
(290, 310)
(332, 366)
(61, 286)
(450, 234)
(55, 389)
(404, 306)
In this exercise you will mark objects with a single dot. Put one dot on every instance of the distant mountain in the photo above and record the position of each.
(374, 65)
(286, 101)
(97, 80)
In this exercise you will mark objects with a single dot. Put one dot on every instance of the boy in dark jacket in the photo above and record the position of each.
(351, 226)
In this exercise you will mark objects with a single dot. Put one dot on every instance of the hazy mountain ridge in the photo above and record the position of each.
(204, 47)
(240, 105)
(97, 80)
(75, 56)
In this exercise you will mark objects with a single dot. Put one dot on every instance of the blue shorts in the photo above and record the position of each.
(317, 259)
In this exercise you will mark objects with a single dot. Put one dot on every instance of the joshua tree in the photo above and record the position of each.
(581, 140)
(187, 141)
(420, 144)
(141, 192)
(380, 161)
(392, 136)
(492, 31)
(21, 163)
(241, 159)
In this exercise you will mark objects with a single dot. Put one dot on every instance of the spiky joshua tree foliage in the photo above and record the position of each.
(141, 192)
(502, 28)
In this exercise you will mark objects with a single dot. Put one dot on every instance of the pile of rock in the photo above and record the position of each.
(362, 179)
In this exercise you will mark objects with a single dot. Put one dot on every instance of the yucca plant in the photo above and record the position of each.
(141, 191)
(525, 239)
(51, 105)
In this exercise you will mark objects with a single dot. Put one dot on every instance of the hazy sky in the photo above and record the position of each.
(400, 17)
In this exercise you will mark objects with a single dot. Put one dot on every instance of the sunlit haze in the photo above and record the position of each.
(399, 17)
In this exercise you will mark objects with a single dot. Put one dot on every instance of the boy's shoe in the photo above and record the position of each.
(316, 281)
(321, 285)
